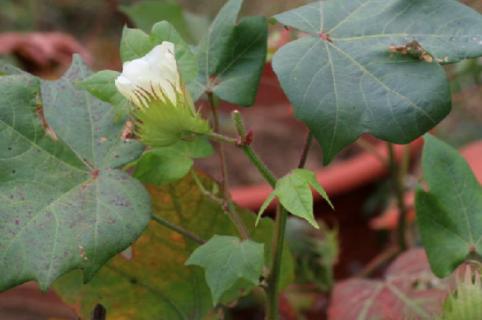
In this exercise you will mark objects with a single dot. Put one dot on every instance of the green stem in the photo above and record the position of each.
(249, 152)
(221, 138)
(228, 203)
(278, 245)
(306, 150)
(398, 176)
(178, 229)
(273, 291)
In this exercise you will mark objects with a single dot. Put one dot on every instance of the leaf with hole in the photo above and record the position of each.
(65, 203)
(351, 74)
(449, 215)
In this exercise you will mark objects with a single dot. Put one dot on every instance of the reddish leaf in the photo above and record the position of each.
(409, 291)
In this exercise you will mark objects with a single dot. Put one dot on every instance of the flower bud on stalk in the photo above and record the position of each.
(164, 111)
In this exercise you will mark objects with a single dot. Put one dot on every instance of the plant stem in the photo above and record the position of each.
(228, 203)
(249, 152)
(278, 245)
(221, 138)
(306, 150)
(178, 229)
(272, 311)
(398, 177)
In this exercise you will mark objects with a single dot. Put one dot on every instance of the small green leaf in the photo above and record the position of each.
(264, 206)
(231, 57)
(310, 177)
(345, 78)
(187, 61)
(449, 215)
(102, 86)
(146, 13)
(294, 193)
(135, 44)
(226, 260)
(165, 165)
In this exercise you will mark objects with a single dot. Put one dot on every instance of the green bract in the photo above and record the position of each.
(164, 122)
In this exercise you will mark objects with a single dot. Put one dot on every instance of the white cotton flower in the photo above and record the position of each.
(154, 76)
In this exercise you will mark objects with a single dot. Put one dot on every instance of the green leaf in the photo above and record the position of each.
(165, 165)
(294, 193)
(136, 43)
(187, 61)
(156, 274)
(345, 79)
(65, 205)
(231, 57)
(264, 206)
(146, 13)
(449, 215)
(310, 178)
(226, 260)
(102, 86)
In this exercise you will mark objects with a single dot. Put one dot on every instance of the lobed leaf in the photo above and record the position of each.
(294, 193)
(65, 204)
(354, 73)
(408, 291)
(227, 260)
(154, 269)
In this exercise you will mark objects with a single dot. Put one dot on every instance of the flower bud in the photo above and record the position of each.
(164, 110)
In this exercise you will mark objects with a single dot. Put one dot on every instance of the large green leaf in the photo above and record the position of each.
(226, 260)
(346, 77)
(64, 203)
(450, 214)
(231, 57)
(155, 283)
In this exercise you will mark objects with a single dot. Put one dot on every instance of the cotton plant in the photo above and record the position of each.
(162, 107)
(355, 67)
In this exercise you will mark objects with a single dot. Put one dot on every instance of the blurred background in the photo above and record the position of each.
(40, 36)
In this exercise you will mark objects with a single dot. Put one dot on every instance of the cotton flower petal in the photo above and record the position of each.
(156, 74)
